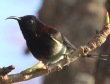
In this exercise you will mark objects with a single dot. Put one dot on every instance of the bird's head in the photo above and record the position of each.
(28, 22)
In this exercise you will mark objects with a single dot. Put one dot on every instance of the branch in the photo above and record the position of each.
(39, 70)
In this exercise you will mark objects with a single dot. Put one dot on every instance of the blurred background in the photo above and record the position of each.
(78, 20)
(12, 42)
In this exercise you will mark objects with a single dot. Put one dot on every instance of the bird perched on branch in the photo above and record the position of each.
(45, 43)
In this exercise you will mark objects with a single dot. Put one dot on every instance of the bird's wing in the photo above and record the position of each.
(61, 38)
(55, 34)
(67, 42)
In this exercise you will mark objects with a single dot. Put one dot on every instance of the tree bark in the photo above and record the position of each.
(78, 20)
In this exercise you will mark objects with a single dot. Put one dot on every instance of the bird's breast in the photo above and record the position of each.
(46, 47)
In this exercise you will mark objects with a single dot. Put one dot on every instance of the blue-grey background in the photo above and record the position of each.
(12, 42)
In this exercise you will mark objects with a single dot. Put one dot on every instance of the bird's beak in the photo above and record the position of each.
(14, 17)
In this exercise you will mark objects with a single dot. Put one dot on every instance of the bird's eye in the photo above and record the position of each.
(31, 21)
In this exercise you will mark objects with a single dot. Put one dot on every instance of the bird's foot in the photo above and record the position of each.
(59, 67)
(48, 68)
(67, 58)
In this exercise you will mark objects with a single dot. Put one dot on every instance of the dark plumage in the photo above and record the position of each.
(45, 43)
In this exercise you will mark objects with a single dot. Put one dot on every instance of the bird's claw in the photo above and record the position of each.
(59, 67)
(67, 58)
(47, 67)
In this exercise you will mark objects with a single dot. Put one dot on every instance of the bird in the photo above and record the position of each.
(46, 43)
